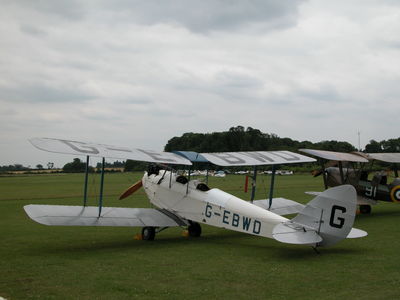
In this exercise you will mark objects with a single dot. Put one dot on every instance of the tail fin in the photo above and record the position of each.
(329, 216)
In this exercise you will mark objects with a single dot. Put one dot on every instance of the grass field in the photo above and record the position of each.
(41, 262)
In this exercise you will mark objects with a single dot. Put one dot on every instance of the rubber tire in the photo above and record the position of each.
(194, 229)
(148, 233)
(365, 209)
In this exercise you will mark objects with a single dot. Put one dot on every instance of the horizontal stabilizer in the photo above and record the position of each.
(280, 206)
(356, 233)
(313, 193)
(61, 215)
(291, 233)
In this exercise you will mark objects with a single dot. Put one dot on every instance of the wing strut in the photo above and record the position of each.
(101, 186)
(271, 189)
(324, 175)
(253, 185)
(187, 185)
(86, 181)
(85, 193)
(341, 171)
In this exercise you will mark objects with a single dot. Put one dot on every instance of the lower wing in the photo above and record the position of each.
(61, 215)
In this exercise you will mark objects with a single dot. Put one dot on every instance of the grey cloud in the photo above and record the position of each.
(237, 80)
(163, 114)
(324, 93)
(43, 94)
(137, 100)
(197, 16)
(231, 85)
(7, 112)
(209, 15)
(235, 86)
(32, 30)
(67, 9)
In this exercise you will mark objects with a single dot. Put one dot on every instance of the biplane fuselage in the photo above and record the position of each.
(377, 189)
(193, 201)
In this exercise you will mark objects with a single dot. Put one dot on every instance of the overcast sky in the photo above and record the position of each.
(137, 73)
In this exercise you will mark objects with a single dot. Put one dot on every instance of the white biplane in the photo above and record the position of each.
(179, 201)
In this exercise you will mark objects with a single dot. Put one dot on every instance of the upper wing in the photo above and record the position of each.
(337, 156)
(255, 158)
(354, 157)
(252, 158)
(61, 215)
(386, 157)
(100, 150)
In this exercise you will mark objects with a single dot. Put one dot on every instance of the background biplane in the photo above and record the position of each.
(352, 168)
(179, 201)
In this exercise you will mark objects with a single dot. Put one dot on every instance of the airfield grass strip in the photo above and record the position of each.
(42, 262)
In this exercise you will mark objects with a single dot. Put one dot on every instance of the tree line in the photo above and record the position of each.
(391, 145)
(240, 139)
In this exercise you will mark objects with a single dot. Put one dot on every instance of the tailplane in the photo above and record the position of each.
(326, 220)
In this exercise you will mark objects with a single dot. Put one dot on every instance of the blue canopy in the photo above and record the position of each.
(192, 156)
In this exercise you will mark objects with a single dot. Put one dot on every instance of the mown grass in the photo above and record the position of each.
(41, 262)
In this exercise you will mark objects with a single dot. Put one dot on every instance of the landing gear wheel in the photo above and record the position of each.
(194, 229)
(365, 209)
(148, 233)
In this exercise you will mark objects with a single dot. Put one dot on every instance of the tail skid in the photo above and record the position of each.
(325, 220)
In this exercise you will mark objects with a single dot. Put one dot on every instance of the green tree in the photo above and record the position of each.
(240, 139)
(132, 165)
(373, 147)
(391, 145)
(76, 166)
(335, 146)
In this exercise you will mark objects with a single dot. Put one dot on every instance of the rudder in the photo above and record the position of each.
(331, 214)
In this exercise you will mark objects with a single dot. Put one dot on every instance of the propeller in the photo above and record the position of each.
(329, 164)
(133, 188)
(316, 173)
